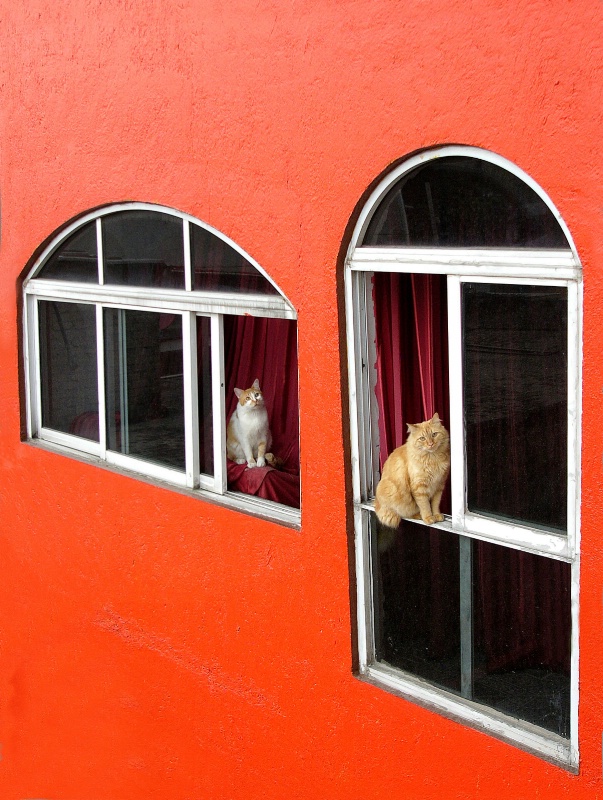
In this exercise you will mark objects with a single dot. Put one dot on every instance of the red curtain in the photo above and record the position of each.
(256, 347)
(412, 384)
(412, 353)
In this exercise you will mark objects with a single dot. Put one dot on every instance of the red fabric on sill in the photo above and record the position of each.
(266, 482)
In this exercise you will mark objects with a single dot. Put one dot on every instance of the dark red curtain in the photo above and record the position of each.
(412, 384)
(412, 353)
(256, 347)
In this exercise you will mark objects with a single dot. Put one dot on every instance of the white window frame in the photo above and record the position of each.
(497, 265)
(188, 304)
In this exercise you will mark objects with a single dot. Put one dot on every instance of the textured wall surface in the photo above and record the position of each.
(153, 645)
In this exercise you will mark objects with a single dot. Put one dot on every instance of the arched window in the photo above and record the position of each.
(140, 322)
(463, 298)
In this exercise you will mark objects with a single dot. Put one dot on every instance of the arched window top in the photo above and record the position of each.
(139, 323)
(140, 245)
(459, 197)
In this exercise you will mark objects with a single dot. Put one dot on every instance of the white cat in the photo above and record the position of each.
(248, 436)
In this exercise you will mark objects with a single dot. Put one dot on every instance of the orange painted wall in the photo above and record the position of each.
(153, 645)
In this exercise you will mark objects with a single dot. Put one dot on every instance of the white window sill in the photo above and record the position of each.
(528, 737)
(237, 501)
(545, 543)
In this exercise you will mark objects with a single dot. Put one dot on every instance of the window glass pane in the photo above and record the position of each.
(522, 635)
(266, 349)
(68, 371)
(509, 648)
(143, 248)
(76, 259)
(411, 346)
(515, 368)
(417, 601)
(463, 202)
(219, 267)
(144, 385)
(206, 441)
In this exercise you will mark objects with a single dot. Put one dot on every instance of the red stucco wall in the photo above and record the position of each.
(153, 645)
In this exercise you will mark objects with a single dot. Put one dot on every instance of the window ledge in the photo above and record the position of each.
(236, 501)
(546, 543)
(530, 738)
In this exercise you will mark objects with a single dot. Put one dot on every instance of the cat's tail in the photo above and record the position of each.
(388, 527)
(386, 515)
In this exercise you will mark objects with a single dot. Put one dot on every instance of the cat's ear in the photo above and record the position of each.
(410, 427)
(238, 392)
(256, 384)
(435, 418)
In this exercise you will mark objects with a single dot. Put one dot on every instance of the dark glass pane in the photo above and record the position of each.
(463, 202)
(143, 248)
(144, 385)
(206, 428)
(522, 634)
(76, 259)
(68, 368)
(417, 608)
(515, 353)
(219, 267)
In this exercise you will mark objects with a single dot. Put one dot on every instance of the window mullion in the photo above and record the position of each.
(33, 372)
(99, 250)
(218, 402)
(574, 383)
(188, 274)
(100, 367)
(457, 428)
(466, 614)
(353, 323)
(124, 406)
(373, 473)
(366, 450)
(191, 398)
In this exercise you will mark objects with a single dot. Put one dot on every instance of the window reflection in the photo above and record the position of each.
(143, 248)
(76, 259)
(463, 202)
(515, 352)
(219, 267)
(68, 369)
(144, 385)
(204, 386)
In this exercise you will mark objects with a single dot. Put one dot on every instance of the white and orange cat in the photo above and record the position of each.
(248, 436)
(414, 475)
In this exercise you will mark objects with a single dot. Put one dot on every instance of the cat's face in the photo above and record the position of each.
(429, 436)
(252, 397)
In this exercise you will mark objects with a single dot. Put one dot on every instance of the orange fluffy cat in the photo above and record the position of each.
(414, 475)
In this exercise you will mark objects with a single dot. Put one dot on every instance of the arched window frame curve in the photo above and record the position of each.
(425, 156)
(530, 267)
(187, 303)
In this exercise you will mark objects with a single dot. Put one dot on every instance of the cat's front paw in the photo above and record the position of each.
(261, 462)
(240, 461)
(431, 518)
(251, 463)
